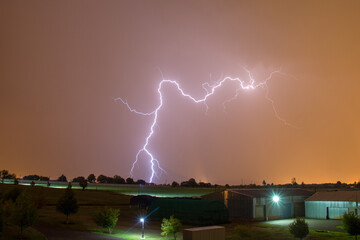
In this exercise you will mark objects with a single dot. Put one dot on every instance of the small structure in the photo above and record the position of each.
(189, 211)
(332, 205)
(204, 233)
(262, 204)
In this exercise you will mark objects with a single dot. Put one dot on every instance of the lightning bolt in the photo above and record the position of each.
(210, 90)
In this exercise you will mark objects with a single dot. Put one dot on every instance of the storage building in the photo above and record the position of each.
(262, 204)
(332, 205)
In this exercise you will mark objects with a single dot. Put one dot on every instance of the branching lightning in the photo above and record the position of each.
(210, 90)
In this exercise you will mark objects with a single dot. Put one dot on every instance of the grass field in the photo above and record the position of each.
(134, 189)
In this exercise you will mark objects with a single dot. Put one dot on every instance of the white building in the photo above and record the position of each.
(332, 205)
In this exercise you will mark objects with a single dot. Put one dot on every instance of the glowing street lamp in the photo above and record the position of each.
(142, 220)
(275, 198)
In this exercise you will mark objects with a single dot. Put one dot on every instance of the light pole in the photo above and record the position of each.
(142, 220)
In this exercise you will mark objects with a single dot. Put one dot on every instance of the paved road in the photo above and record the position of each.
(319, 224)
(59, 233)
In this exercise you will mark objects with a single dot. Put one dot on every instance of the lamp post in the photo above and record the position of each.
(142, 220)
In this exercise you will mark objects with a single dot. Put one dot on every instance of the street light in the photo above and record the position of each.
(142, 220)
(276, 198)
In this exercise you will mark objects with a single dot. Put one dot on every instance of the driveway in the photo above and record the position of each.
(58, 233)
(317, 224)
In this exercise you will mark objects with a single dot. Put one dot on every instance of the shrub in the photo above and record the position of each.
(170, 226)
(351, 224)
(12, 194)
(107, 218)
(299, 228)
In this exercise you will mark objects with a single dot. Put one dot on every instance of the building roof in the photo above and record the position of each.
(254, 193)
(348, 196)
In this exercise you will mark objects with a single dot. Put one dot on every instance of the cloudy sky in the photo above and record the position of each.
(62, 63)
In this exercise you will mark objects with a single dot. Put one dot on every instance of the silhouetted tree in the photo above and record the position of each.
(67, 204)
(23, 213)
(62, 178)
(264, 183)
(101, 179)
(32, 183)
(175, 184)
(91, 178)
(293, 181)
(83, 184)
(16, 181)
(31, 177)
(119, 180)
(42, 178)
(192, 182)
(4, 174)
(129, 181)
(140, 182)
(79, 179)
(48, 183)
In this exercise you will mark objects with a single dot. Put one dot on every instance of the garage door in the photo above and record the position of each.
(260, 212)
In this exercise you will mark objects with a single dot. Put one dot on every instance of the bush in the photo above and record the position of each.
(23, 213)
(351, 224)
(107, 218)
(12, 194)
(32, 183)
(242, 232)
(67, 204)
(299, 228)
(170, 226)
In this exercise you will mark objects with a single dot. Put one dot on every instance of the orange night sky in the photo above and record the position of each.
(62, 63)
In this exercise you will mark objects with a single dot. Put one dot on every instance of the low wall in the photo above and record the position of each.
(204, 233)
